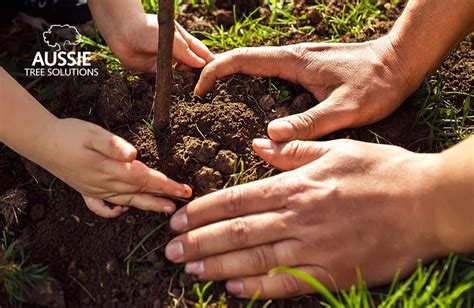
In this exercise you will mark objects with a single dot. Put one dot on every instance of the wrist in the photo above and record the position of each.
(42, 151)
(395, 54)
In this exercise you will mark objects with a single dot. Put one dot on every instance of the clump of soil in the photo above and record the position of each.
(225, 162)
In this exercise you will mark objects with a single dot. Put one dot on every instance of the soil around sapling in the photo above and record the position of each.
(207, 142)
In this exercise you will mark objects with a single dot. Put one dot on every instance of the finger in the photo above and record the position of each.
(330, 115)
(278, 286)
(99, 208)
(179, 66)
(145, 203)
(183, 53)
(258, 197)
(257, 260)
(198, 47)
(291, 155)
(229, 235)
(111, 145)
(259, 61)
(145, 179)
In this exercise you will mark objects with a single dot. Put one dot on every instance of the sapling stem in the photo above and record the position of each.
(164, 73)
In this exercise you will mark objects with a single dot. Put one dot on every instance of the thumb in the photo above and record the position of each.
(328, 116)
(291, 155)
(112, 146)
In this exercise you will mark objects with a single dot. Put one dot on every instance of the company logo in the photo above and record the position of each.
(59, 36)
(61, 62)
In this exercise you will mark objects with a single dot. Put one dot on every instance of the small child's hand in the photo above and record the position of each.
(102, 166)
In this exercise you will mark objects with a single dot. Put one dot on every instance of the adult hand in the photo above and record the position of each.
(357, 84)
(133, 36)
(101, 166)
(344, 205)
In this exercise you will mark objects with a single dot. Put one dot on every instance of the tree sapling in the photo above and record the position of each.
(164, 73)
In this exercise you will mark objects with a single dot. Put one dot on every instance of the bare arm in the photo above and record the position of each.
(24, 123)
(93, 161)
(427, 31)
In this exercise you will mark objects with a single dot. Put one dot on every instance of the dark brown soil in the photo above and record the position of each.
(208, 141)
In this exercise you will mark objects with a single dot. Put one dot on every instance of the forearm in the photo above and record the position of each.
(453, 198)
(427, 31)
(24, 122)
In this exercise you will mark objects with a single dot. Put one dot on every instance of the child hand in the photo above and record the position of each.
(135, 42)
(102, 166)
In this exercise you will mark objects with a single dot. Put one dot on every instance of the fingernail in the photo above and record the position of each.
(264, 144)
(174, 251)
(179, 221)
(183, 191)
(125, 209)
(194, 268)
(168, 209)
(235, 287)
(188, 191)
(282, 129)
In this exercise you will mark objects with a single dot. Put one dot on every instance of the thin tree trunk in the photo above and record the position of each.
(164, 73)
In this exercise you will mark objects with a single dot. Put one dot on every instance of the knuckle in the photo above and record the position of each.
(218, 267)
(195, 243)
(239, 231)
(291, 285)
(144, 179)
(299, 50)
(307, 120)
(234, 201)
(295, 185)
(259, 260)
(295, 150)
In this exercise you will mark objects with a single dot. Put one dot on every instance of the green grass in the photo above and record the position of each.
(449, 283)
(17, 277)
(203, 300)
(129, 258)
(447, 123)
(354, 18)
(253, 30)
